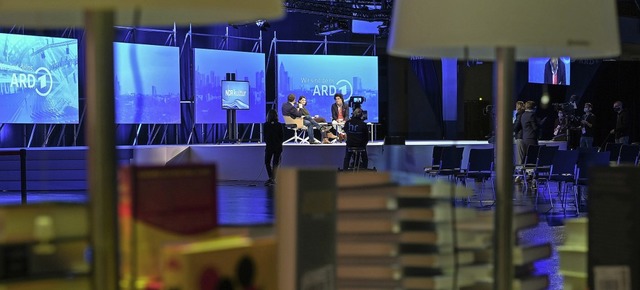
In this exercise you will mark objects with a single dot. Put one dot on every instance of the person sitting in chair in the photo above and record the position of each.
(314, 121)
(293, 111)
(339, 114)
(357, 139)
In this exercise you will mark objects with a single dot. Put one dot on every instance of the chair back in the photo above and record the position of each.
(436, 156)
(628, 155)
(614, 148)
(480, 160)
(290, 122)
(546, 155)
(451, 158)
(587, 160)
(564, 162)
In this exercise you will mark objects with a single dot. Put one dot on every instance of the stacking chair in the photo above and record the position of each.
(435, 160)
(479, 167)
(615, 151)
(530, 163)
(629, 155)
(449, 162)
(562, 172)
(297, 127)
(546, 154)
(585, 161)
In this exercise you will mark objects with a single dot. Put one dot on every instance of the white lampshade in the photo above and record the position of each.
(69, 13)
(474, 28)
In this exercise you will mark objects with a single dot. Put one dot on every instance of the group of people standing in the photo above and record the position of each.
(527, 126)
(353, 129)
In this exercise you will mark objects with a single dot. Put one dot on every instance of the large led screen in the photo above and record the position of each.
(211, 68)
(147, 84)
(39, 78)
(319, 77)
(550, 70)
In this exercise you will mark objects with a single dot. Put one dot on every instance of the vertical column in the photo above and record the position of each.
(504, 78)
(100, 132)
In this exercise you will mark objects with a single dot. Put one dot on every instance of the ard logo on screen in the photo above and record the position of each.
(342, 86)
(41, 81)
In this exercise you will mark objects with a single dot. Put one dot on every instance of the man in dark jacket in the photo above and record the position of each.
(290, 109)
(529, 125)
(623, 124)
(357, 139)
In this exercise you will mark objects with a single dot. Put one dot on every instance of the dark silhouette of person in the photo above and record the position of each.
(554, 72)
(273, 136)
(357, 139)
(529, 125)
(623, 124)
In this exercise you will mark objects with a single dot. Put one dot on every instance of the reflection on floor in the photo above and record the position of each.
(251, 203)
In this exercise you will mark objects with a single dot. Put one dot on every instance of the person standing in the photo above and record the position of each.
(273, 136)
(357, 139)
(587, 122)
(518, 133)
(622, 129)
(529, 125)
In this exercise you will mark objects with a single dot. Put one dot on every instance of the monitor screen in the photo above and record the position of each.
(211, 67)
(319, 77)
(39, 80)
(147, 83)
(550, 70)
(235, 95)
(366, 27)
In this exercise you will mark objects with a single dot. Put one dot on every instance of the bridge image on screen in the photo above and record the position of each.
(147, 84)
(319, 77)
(38, 80)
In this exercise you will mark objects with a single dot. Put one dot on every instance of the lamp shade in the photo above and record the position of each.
(474, 28)
(69, 13)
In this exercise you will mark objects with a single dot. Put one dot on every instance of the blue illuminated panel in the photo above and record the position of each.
(39, 80)
(319, 77)
(147, 84)
(211, 67)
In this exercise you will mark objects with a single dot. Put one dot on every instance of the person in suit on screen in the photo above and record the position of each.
(273, 136)
(554, 72)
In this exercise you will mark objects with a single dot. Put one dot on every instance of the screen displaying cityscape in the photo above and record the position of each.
(319, 77)
(38, 80)
(211, 68)
(147, 83)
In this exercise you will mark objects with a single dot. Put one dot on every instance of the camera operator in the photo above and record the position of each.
(588, 120)
(570, 127)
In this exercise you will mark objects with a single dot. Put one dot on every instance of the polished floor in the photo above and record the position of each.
(251, 203)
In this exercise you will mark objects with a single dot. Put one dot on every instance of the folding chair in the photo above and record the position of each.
(629, 155)
(479, 167)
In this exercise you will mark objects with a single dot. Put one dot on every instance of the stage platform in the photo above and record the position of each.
(64, 168)
(246, 161)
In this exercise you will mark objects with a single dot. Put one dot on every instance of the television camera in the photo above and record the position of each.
(356, 102)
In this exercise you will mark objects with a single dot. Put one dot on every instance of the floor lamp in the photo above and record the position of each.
(504, 31)
(98, 17)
